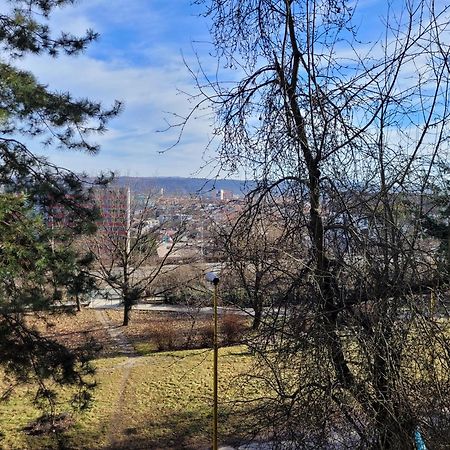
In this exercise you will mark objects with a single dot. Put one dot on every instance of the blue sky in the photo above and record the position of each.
(138, 60)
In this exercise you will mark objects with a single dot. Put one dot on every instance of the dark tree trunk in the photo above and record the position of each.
(126, 292)
(127, 304)
(257, 317)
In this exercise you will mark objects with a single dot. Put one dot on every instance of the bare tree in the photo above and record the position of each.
(125, 246)
(344, 140)
(256, 273)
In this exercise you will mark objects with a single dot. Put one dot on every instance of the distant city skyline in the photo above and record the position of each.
(139, 59)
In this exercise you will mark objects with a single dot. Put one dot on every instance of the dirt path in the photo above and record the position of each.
(124, 348)
(118, 339)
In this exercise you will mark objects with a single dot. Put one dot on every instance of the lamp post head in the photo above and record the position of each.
(212, 277)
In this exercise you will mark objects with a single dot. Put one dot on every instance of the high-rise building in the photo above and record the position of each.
(115, 216)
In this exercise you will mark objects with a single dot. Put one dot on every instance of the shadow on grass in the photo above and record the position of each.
(188, 430)
(182, 431)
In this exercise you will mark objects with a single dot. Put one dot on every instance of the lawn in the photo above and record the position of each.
(158, 401)
(152, 400)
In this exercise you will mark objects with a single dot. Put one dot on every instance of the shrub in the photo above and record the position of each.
(206, 336)
(232, 327)
(165, 338)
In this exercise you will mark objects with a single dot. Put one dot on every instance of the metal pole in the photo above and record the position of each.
(432, 302)
(215, 381)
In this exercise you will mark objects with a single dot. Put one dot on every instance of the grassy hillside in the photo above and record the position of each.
(159, 401)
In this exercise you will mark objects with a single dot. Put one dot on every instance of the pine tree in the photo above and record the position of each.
(35, 272)
(37, 263)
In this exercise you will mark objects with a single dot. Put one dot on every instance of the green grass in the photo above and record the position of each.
(166, 403)
(144, 348)
(19, 411)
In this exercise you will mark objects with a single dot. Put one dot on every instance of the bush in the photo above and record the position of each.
(206, 336)
(232, 327)
(237, 297)
(182, 335)
(165, 338)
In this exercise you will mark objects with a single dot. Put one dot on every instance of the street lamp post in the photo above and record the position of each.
(214, 279)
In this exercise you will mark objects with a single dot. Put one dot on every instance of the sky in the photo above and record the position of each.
(139, 59)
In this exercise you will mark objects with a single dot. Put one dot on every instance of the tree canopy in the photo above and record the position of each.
(35, 274)
(31, 111)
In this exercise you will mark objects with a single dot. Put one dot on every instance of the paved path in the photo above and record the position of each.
(101, 303)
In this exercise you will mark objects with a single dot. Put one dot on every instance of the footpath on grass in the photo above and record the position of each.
(118, 423)
(124, 348)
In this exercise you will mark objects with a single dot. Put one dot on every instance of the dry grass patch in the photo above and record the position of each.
(169, 400)
(166, 404)
(72, 329)
(161, 401)
(161, 331)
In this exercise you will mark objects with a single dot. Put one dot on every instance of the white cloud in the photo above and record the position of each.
(147, 86)
(138, 60)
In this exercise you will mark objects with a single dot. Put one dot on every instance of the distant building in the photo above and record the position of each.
(223, 195)
(150, 224)
(115, 212)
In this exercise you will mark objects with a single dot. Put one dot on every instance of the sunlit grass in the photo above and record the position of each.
(166, 403)
(162, 400)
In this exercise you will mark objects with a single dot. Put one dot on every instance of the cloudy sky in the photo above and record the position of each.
(138, 60)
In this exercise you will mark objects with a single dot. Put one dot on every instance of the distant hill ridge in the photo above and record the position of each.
(184, 186)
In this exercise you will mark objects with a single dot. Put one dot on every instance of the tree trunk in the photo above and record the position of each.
(395, 426)
(322, 271)
(126, 292)
(127, 303)
(257, 317)
(326, 281)
(77, 300)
